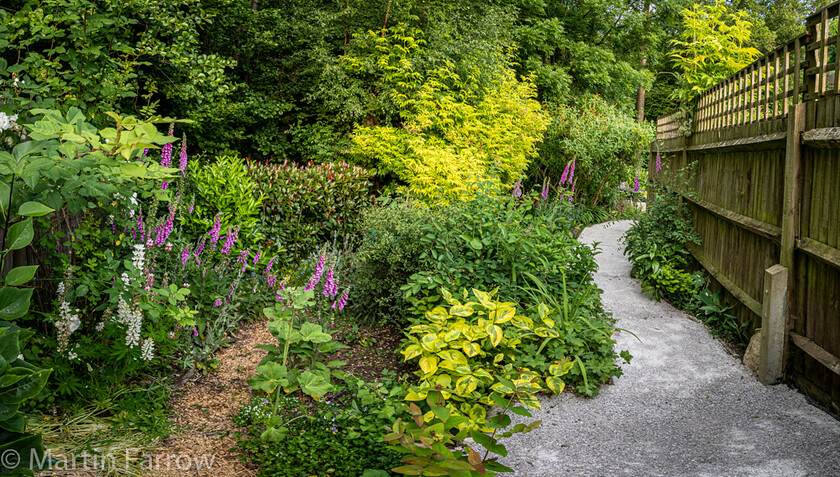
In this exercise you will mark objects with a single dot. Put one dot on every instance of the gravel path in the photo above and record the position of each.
(684, 406)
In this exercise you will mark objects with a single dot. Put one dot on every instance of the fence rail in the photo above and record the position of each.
(763, 148)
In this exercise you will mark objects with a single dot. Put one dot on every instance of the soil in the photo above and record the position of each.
(204, 405)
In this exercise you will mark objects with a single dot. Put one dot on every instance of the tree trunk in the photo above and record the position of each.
(640, 97)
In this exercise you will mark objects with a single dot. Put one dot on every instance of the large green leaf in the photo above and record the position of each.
(20, 275)
(16, 423)
(9, 346)
(314, 384)
(34, 209)
(4, 195)
(14, 302)
(314, 333)
(26, 388)
(271, 376)
(21, 234)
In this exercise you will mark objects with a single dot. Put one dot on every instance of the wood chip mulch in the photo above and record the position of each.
(203, 408)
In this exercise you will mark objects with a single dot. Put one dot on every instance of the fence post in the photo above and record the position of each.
(792, 201)
(773, 327)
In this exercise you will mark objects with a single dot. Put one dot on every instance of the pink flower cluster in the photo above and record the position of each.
(230, 241)
(319, 270)
(331, 287)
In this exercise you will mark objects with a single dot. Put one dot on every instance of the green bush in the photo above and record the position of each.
(388, 255)
(605, 144)
(224, 189)
(340, 435)
(491, 241)
(656, 247)
(307, 206)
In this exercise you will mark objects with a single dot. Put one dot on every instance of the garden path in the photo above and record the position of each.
(684, 406)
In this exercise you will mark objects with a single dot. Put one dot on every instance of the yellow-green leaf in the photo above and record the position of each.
(414, 396)
(522, 322)
(431, 343)
(495, 334)
(461, 310)
(455, 367)
(454, 356)
(486, 299)
(561, 368)
(466, 385)
(548, 322)
(504, 315)
(452, 335)
(471, 349)
(437, 315)
(411, 352)
(555, 384)
(543, 310)
(429, 364)
(546, 332)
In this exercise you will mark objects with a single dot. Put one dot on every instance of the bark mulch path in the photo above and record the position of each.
(203, 409)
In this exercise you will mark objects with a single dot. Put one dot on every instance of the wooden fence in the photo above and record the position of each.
(762, 151)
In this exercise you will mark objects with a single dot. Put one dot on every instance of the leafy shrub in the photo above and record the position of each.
(340, 435)
(224, 189)
(19, 382)
(305, 207)
(711, 310)
(656, 247)
(491, 241)
(455, 131)
(468, 348)
(585, 337)
(605, 144)
(389, 253)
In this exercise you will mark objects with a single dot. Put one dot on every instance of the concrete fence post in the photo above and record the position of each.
(773, 329)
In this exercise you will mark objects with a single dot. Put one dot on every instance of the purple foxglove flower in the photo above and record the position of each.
(330, 288)
(218, 303)
(636, 184)
(183, 157)
(185, 255)
(270, 264)
(319, 270)
(195, 331)
(572, 172)
(565, 173)
(230, 241)
(544, 192)
(257, 257)
(658, 163)
(214, 232)
(343, 301)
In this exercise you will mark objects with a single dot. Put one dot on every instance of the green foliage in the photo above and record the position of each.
(389, 253)
(471, 351)
(340, 435)
(102, 57)
(585, 336)
(714, 46)
(19, 382)
(296, 364)
(656, 245)
(711, 310)
(304, 207)
(225, 190)
(491, 241)
(605, 144)
(454, 133)
(426, 441)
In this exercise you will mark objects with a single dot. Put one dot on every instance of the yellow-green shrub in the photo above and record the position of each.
(456, 130)
(469, 353)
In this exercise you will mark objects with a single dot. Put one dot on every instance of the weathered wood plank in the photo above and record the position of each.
(817, 352)
(736, 291)
(749, 224)
(819, 250)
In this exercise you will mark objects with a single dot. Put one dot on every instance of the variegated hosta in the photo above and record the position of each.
(469, 353)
